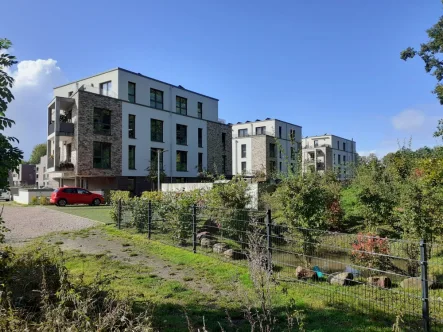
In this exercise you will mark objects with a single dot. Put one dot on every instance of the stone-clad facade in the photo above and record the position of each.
(219, 149)
(85, 136)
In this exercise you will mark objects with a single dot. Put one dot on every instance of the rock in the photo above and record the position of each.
(219, 248)
(341, 278)
(202, 235)
(232, 254)
(305, 274)
(206, 243)
(415, 283)
(382, 282)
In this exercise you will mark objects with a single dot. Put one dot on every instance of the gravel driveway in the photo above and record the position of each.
(30, 222)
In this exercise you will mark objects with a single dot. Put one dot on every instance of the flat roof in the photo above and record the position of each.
(326, 135)
(138, 74)
(267, 119)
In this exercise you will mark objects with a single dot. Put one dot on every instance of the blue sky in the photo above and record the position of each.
(329, 66)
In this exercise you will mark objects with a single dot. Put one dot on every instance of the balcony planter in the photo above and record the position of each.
(66, 166)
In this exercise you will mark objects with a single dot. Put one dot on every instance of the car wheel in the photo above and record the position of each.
(7, 200)
(96, 202)
(62, 202)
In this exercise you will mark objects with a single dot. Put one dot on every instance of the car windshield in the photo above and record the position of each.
(55, 190)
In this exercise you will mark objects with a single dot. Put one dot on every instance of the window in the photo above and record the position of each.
(200, 110)
(344, 159)
(281, 166)
(105, 88)
(272, 165)
(224, 164)
(131, 156)
(156, 130)
(200, 162)
(182, 161)
(131, 126)
(260, 131)
(131, 92)
(280, 154)
(344, 146)
(82, 191)
(181, 105)
(293, 167)
(102, 155)
(181, 134)
(70, 190)
(224, 141)
(292, 153)
(272, 150)
(200, 137)
(154, 159)
(334, 158)
(279, 131)
(243, 150)
(102, 121)
(315, 143)
(156, 99)
(292, 134)
(338, 145)
(243, 166)
(70, 93)
(242, 132)
(339, 159)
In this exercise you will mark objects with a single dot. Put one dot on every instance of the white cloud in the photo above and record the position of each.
(34, 81)
(409, 120)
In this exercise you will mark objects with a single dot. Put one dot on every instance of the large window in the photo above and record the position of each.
(200, 162)
(292, 134)
(156, 99)
(102, 155)
(154, 159)
(243, 166)
(339, 159)
(243, 150)
(281, 166)
(279, 131)
(102, 121)
(344, 146)
(131, 125)
(131, 157)
(200, 137)
(272, 150)
(156, 130)
(260, 130)
(182, 161)
(272, 166)
(292, 153)
(242, 132)
(181, 105)
(181, 134)
(200, 110)
(105, 88)
(344, 159)
(131, 92)
(338, 145)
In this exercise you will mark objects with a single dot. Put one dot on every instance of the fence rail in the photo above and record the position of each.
(382, 277)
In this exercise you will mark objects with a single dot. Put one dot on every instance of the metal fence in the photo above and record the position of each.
(382, 277)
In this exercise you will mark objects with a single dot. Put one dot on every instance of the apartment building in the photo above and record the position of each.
(105, 132)
(329, 152)
(43, 179)
(264, 147)
(24, 177)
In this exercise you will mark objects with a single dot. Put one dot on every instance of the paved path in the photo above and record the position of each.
(26, 223)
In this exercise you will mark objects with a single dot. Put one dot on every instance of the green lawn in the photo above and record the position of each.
(97, 213)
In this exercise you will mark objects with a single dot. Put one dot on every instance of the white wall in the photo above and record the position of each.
(143, 116)
(143, 95)
(25, 197)
(185, 186)
(236, 155)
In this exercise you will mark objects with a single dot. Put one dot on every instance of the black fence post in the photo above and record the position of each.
(269, 238)
(424, 286)
(119, 214)
(149, 219)
(194, 228)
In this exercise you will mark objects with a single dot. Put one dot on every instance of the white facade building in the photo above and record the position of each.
(104, 132)
(329, 152)
(264, 146)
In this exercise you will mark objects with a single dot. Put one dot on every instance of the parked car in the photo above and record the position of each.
(5, 195)
(73, 195)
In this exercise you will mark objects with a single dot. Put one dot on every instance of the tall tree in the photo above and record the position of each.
(10, 156)
(430, 53)
(38, 151)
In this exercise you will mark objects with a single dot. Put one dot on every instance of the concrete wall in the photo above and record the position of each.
(185, 186)
(25, 195)
(237, 156)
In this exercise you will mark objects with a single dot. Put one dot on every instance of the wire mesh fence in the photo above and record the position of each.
(382, 277)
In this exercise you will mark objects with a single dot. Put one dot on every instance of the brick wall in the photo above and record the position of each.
(215, 147)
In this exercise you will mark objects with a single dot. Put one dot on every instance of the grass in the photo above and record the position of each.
(97, 213)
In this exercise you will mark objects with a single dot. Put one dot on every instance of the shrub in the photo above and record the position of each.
(153, 196)
(371, 251)
(43, 200)
(116, 195)
(34, 200)
(140, 213)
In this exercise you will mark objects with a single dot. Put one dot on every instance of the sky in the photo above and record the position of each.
(330, 66)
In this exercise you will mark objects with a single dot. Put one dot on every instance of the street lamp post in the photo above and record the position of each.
(158, 167)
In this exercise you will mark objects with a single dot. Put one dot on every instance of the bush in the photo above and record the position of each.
(153, 196)
(140, 213)
(115, 196)
(43, 200)
(371, 251)
(34, 200)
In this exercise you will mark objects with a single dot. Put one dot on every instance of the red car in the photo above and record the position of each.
(72, 195)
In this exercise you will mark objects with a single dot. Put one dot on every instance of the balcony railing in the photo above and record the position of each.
(307, 146)
(50, 162)
(66, 129)
(263, 133)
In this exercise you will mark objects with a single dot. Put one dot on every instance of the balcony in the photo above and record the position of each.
(308, 146)
(262, 133)
(310, 161)
(66, 129)
(50, 162)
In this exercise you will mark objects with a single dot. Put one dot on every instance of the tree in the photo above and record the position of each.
(10, 156)
(430, 53)
(37, 152)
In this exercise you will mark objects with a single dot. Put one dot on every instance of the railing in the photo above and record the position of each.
(307, 146)
(265, 133)
(66, 129)
(50, 162)
(51, 128)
